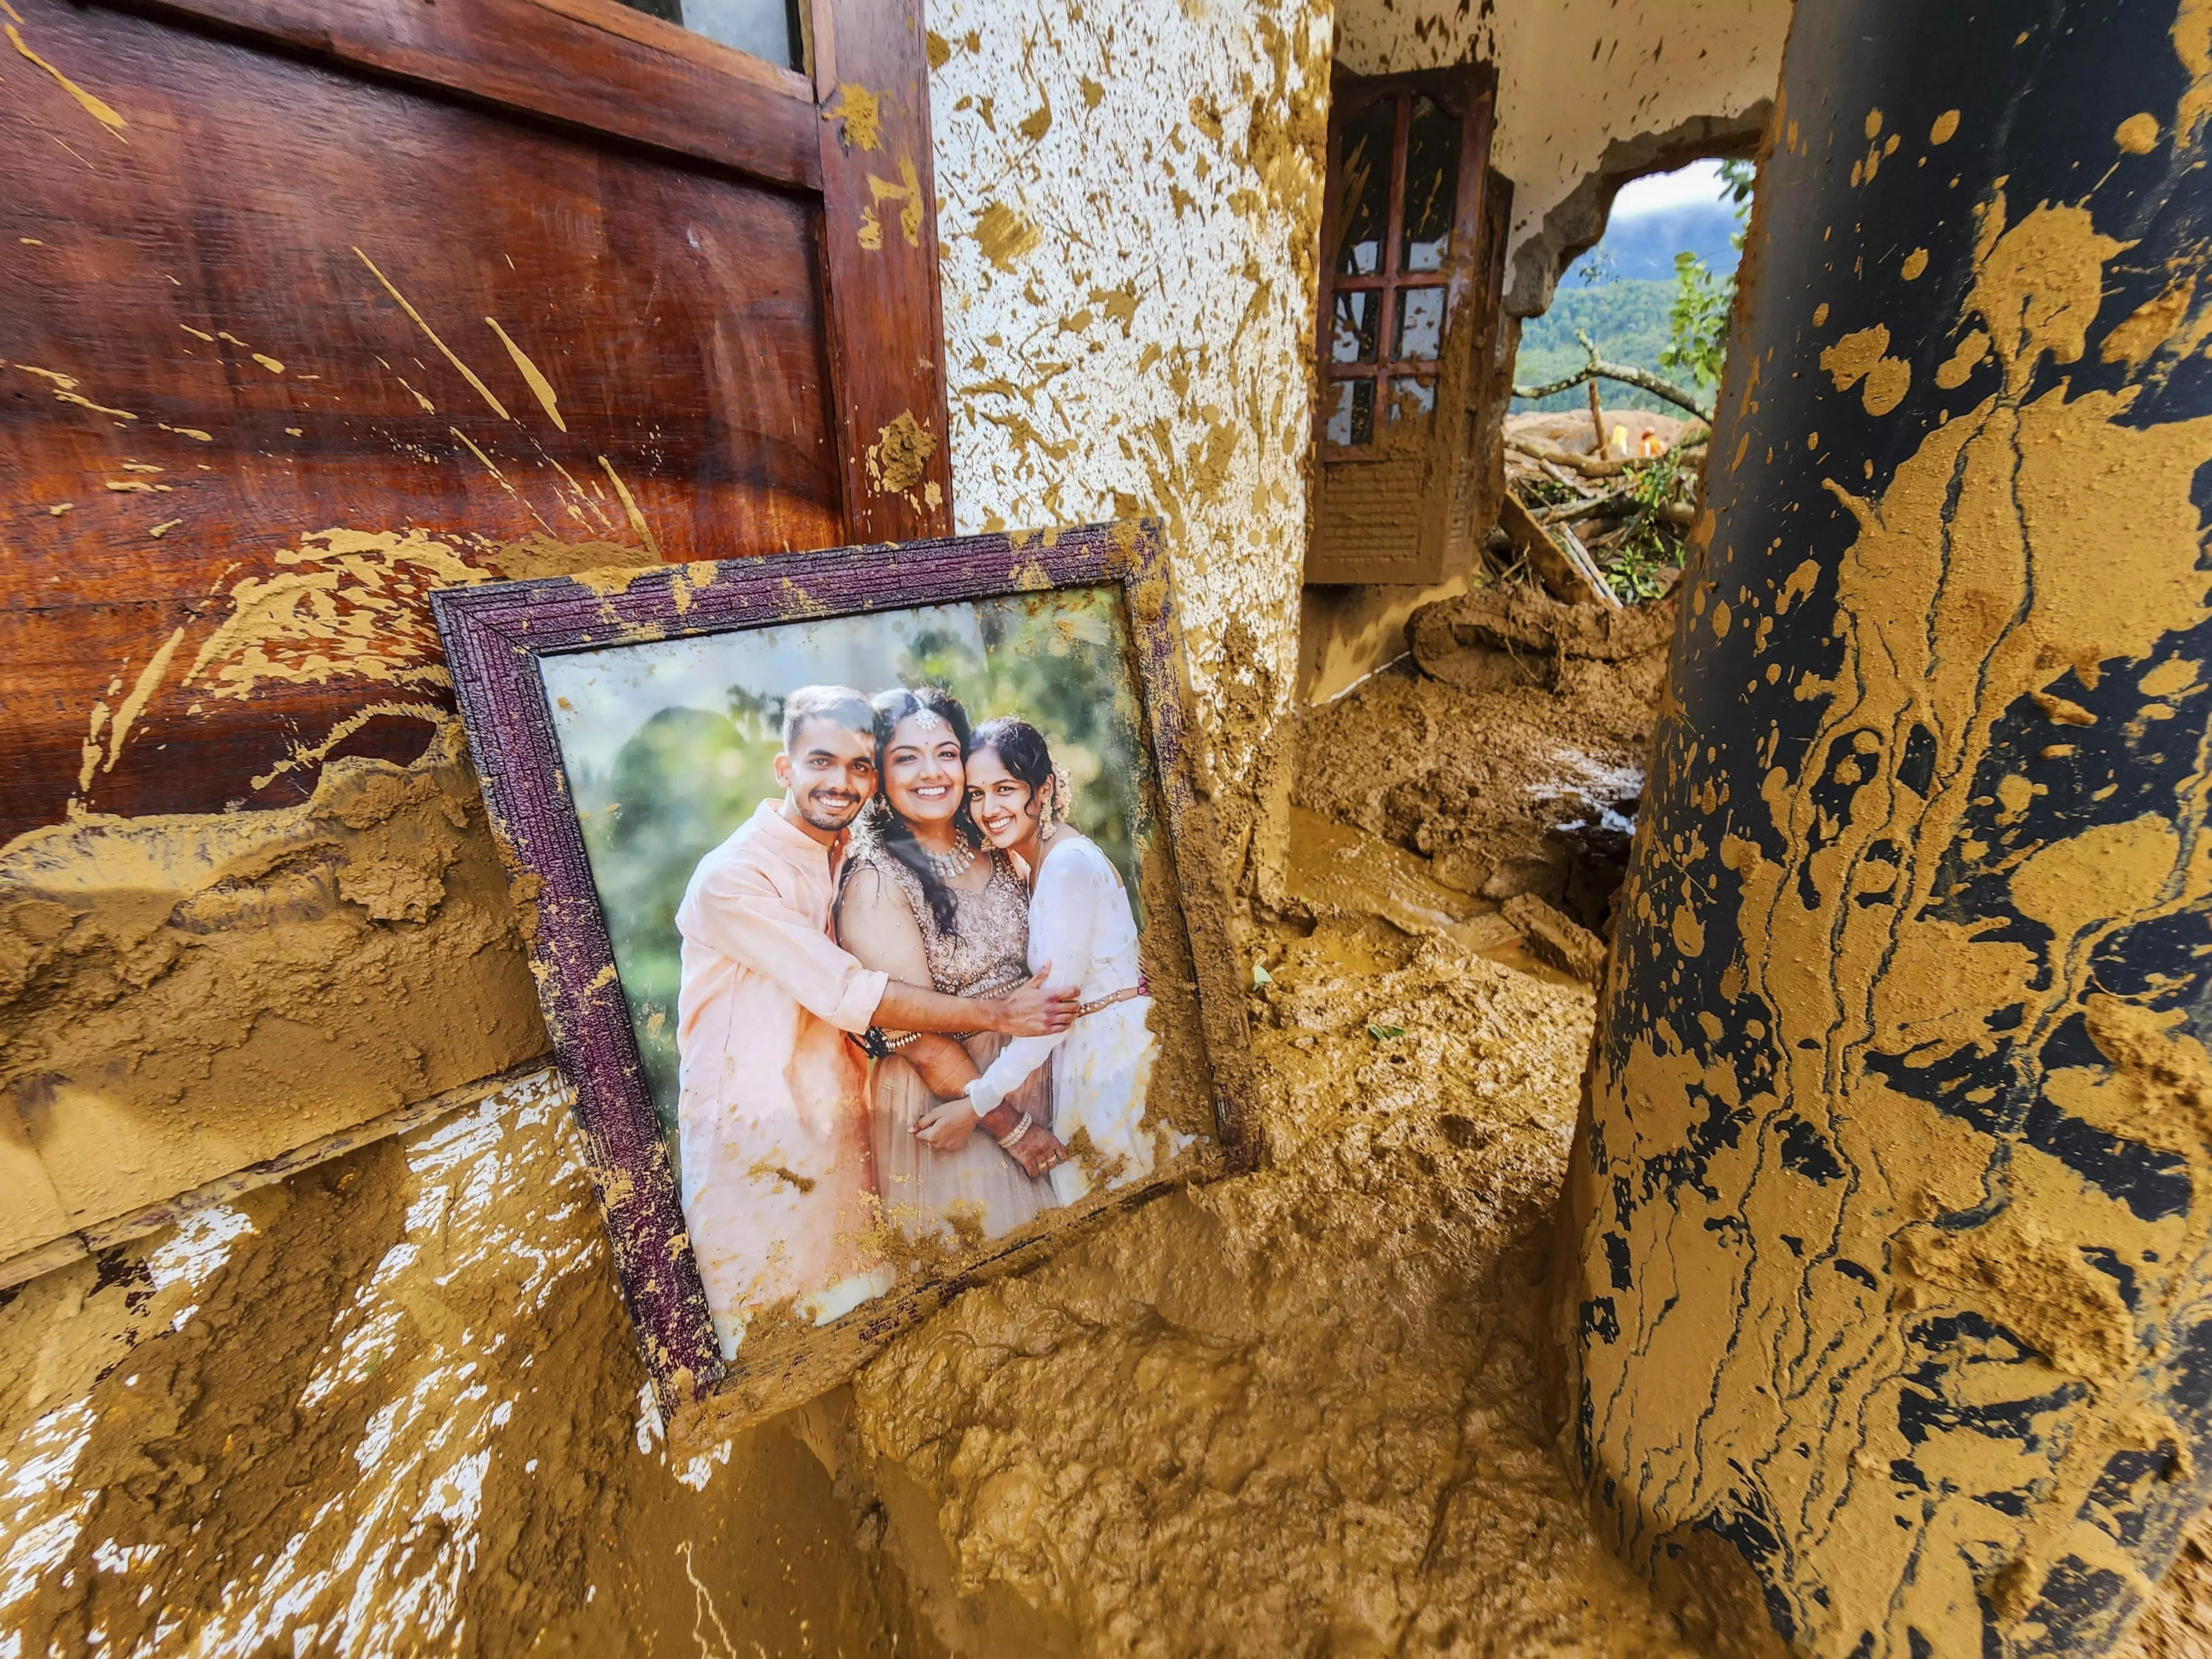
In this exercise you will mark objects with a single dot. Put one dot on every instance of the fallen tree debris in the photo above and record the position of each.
(1630, 498)
(1560, 560)
(1515, 635)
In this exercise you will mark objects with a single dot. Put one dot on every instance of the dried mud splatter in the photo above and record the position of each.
(391, 1407)
(1082, 385)
(1895, 941)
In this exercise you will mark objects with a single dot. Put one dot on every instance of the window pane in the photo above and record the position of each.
(1412, 400)
(1351, 328)
(766, 29)
(1420, 322)
(1351, 406)
(1363, 204)
(1432, 184)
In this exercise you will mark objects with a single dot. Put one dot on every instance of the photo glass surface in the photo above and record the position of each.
(743, 940)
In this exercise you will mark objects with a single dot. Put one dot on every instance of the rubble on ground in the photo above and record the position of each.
(1507, 754)
(1598, 522)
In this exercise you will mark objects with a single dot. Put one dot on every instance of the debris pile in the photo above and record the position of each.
(1501, 765)
(1596, 505)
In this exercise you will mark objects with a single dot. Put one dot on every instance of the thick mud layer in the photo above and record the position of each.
(1300, 1411)
(1525, 788)
(393, 1405)
(1296, 1411)
(183, 997)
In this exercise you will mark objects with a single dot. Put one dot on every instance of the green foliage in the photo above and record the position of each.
(687, 777)
(1698, 320)
(1678, 329)
(1648, 541)
(1739, 176)
(1697, 323)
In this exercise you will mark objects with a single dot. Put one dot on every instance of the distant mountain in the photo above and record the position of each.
(1621, 291)
(1628, 321)
(1642, 249)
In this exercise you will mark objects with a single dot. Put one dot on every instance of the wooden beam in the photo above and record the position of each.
(879, 255)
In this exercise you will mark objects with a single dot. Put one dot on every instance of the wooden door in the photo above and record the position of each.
(307, 307)
(295, 286)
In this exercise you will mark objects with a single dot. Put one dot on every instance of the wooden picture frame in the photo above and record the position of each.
(498, 639)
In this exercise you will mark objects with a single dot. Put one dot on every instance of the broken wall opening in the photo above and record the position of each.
(1589, 97)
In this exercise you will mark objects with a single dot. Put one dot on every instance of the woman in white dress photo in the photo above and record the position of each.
(1081, 923)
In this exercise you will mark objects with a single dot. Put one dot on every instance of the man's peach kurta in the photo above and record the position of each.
(772, 1120)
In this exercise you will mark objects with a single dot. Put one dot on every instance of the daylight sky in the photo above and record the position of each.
(1697, 183)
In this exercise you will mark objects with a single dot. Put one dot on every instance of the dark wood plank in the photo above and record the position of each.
(675, 313)
(588, 63)
(879, 245)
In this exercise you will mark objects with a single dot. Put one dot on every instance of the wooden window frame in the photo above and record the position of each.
(1463, 92)
(1410, 505)
(598, 66)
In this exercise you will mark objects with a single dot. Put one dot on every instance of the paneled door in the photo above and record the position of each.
(307, 309)
(309, 304)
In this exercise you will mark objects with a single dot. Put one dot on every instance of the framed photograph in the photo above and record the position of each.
(875, 920)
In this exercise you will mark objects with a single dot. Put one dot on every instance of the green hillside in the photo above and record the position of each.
(1628, 320)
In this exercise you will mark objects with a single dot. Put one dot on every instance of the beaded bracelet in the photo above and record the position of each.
(1019, 1129)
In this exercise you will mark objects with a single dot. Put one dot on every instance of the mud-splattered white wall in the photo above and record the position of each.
(1589, 92)
(1129, 204)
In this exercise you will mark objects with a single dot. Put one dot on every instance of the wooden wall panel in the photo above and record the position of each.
(181, 248)
(597, 63)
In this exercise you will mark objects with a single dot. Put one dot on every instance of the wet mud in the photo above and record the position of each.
(393, 1406)
(1524, 782)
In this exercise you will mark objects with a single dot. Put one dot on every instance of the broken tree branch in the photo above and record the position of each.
(1588, 465)
(1599, 369)
(1618, 505)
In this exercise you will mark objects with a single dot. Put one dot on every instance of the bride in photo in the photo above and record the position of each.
(1080, 922)
(926, 900)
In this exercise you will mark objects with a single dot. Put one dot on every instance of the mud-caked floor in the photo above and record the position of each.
(391, 1406)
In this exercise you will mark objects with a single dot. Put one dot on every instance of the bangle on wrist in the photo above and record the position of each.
(1020, 1128)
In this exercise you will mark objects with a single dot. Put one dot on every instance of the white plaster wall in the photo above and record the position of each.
(1129, 199)
(1575, 78)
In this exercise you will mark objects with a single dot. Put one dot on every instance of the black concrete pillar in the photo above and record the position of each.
(1892, 1217)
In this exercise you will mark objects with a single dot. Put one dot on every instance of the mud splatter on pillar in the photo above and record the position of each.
(1892, 1215)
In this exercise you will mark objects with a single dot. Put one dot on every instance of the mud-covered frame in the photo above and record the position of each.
(496, 635)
